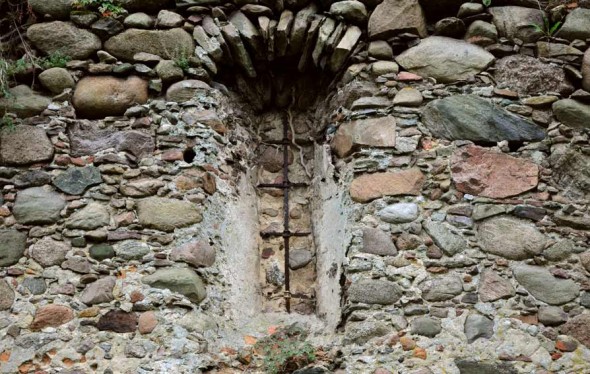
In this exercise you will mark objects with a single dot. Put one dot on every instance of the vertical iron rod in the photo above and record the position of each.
(286, 213)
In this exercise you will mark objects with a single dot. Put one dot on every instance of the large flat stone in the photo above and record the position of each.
(393, 17)
(372, 132)
(168, 44)
(576, 25)
(374, 291)
(571, 173)
(183, 281)
(515, 22)
(186, 90)
(49, 252)
(441, 288)
(65, 38)
(470, 366)
(482, 172)
(511, 238)
(399, 213)
(469, 117)
(74, 181)
(118, 321)
(87, 139)
(38, 206)
(540, 283)
(197, 253)
(51, 316)
(572, 113)
(25, 145)
(92, 216)
(369, 187)
(101, 96)
(23, 102)
(57, 9)
(445, 59)
(12, 246)
(167, 214)
(530, 76)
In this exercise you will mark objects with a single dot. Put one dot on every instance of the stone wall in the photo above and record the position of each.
(445, 145)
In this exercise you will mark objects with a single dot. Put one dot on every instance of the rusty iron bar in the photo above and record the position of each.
(286, 234)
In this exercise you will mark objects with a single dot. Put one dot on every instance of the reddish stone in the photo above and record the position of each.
(62, 160)
(482, 172)
(142, 122)
(556, 356)
(147, 322)
(369, 187)
(198, 254)
(124, 219)
(4, 211)
(531, 319)
(579, 328)
(51, 316)
(381, 371)
(136, 296)
(566, 345)
(267, 253)
(79, 161)
(406, 76)
(504, 92)
(118, 321)
(187, 183)
(209, 183)
(372, 132)
(493, 287)
(172, 155)
(407, 343)
(420, 353)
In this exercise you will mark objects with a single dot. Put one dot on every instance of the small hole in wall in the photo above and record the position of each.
(189, 155)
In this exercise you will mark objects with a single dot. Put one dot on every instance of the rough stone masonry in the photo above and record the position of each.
(445, 142)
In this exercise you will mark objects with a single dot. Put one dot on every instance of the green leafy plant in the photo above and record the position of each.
(548, 29)
(6, 123)
(487, 3)
(107, 8)
(9, 69)
(183, 62)
(285, 351)
(54, 60)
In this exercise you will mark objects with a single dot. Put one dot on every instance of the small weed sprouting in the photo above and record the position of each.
(6, 123)
(547, 28)
(285, 351)
(183, 63)
(54, 60)
(487, 3)
(107, 8)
